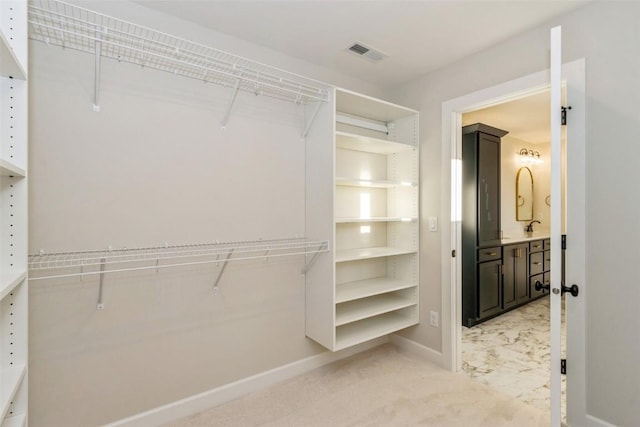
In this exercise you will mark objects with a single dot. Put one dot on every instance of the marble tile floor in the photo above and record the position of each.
(380, 387)
(511, 354)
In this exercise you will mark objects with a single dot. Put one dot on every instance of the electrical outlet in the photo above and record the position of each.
(434, 318)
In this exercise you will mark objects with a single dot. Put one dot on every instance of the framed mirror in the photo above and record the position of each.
(524, 195)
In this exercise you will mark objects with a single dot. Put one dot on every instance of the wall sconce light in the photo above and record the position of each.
(529, 157)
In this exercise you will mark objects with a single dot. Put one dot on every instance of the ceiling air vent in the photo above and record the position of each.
(368, 52)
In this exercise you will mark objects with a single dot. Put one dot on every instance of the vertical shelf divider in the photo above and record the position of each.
(14, 291)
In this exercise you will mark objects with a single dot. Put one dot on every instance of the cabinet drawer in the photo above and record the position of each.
(547, 260)
(547, 244)
(536, 263)
(536, 246)
(489, 254)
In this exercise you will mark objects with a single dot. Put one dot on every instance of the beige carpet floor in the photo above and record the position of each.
(381, 387)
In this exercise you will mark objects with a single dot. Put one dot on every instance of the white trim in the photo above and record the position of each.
(418, 349)
(217, 396)
(597, 422)
(451, 287)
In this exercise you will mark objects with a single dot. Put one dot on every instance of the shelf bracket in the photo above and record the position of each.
(100, 302)
(224, 265)
(313, 118)
(96, 81)
(230, 106)
(308, 266)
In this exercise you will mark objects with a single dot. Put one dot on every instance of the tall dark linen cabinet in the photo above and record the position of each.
(482, 295)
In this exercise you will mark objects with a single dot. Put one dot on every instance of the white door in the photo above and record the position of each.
(572, 75)
(556, 222)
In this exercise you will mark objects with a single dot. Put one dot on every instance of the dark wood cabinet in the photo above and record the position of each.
(495, 277)
(539, 266)
(481, 231)
(481, 183)
(515, 279)
(489, 288)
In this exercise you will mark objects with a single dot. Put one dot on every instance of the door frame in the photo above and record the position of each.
(451, 284)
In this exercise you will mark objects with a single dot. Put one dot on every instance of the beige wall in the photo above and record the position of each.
(606, 34)
(155, 166)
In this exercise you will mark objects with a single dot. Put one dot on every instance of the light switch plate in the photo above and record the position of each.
(433, 223)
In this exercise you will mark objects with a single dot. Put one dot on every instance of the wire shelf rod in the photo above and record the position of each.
(70, 26)
(102, 259)
(150, 267)
(279, 84)
(67, 259)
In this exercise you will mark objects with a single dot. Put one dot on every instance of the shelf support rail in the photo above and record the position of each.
(225, 119)
(224, 265)
(313, 118)
(324, 247)
(100, 301)
(362, 123)
(96, 81)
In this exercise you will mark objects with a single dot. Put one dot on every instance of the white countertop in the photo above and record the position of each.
(524, 237)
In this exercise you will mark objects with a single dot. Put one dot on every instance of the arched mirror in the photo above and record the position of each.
(524, 195)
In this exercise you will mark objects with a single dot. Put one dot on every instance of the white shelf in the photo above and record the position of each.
(149, 258)
(352, 141)
(61, 24)
(366, 253)
(11, 379)
(14, 280)
(353, 311)
(376, 219)
(374, 327)
(364, 106)
(9, 64)
(365, 288)
(14, 421)
(8, 168)
(372, 183)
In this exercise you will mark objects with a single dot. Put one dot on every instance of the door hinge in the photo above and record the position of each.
(564, 115)
(564, 241)
(453, 253)
(563, 366)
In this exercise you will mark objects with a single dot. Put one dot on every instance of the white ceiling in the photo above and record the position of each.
(418, 36)
(527, 119)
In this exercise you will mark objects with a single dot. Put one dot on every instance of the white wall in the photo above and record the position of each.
(606, 34)
(155, 166)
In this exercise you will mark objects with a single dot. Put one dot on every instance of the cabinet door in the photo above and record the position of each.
(489, 288)
(488, 190)
(515, 285)
(522, 275)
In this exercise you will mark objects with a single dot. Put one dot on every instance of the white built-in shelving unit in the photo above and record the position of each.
(362, 187)
(13, 213)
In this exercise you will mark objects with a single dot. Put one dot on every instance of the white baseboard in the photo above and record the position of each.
(416, 348)
(214, 397)
(597, 422)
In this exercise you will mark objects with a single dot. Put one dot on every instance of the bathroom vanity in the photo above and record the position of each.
(498, 272)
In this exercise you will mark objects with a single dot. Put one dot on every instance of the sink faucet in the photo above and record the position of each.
(529, 227)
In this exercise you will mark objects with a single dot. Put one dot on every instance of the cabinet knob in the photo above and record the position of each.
(491, 253)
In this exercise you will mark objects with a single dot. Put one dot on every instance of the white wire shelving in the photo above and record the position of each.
(62, 24)
(81, 263)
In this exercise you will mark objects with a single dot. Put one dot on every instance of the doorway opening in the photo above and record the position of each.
(451, 283)
(505, 247)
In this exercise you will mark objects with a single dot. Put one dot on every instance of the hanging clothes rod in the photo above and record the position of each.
(69, 26)
(72, 264)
